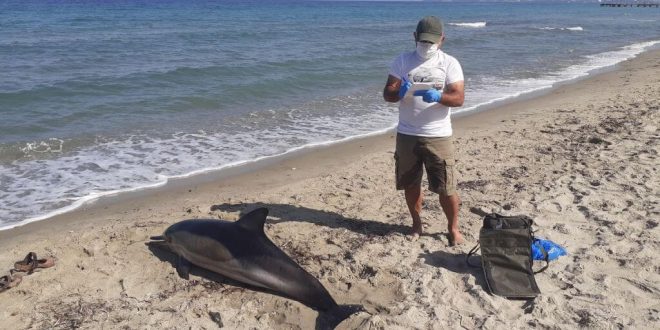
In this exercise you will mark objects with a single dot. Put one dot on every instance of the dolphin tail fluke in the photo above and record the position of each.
(331, 318)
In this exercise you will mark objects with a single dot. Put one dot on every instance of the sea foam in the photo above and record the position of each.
(573, 28)
(470, 25)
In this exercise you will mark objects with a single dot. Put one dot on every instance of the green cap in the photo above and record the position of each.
(429, 28)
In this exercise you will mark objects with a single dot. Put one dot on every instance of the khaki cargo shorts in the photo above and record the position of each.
(436, 154)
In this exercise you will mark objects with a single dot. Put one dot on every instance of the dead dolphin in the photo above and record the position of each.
(242, 252)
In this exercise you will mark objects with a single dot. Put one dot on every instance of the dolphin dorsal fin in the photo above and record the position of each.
(255, 220)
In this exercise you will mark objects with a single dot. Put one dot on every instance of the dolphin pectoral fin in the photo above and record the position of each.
(183, 267)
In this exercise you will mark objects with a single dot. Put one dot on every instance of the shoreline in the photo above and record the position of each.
(581, 160)
(197, 177)
(265, 161)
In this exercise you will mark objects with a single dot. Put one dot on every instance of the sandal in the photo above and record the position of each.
(31, 262)
(9, 281)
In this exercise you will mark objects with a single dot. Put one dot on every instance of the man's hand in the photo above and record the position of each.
(405, 86)
(395, 88)
(429, 95)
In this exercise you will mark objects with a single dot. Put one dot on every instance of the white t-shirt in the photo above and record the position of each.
(417, 117)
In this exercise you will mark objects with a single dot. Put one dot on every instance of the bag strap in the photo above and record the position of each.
(545, 258)
(472, 252)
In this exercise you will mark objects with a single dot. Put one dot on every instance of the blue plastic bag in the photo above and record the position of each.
(553, 249)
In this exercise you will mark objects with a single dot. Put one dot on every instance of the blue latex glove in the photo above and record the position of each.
(553, 249)
(429, 95)
(405, 86)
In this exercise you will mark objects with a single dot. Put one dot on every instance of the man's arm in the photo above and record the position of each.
(454, 94)
(391, 90)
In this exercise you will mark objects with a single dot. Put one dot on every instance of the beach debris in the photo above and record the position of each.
(216, 318)
(597, 140)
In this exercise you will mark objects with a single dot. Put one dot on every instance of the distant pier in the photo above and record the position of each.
(623, 3)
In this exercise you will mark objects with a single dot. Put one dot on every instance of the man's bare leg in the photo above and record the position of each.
(450, 207)
(414, 200)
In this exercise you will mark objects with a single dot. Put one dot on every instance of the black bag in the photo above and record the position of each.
(506, 256)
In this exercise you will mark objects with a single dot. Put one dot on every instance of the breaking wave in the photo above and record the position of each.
(470, 25)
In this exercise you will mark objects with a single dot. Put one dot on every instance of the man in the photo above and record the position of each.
(424, 133)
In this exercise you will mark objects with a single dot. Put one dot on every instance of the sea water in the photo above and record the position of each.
(100, 97)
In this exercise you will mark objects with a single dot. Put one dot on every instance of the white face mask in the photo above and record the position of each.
(426, 50)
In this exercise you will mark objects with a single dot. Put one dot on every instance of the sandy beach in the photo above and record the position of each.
(581, 160)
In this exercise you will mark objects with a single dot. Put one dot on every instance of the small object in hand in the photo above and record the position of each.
(429, 95)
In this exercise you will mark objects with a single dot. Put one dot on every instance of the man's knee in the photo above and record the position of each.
(454, 199)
